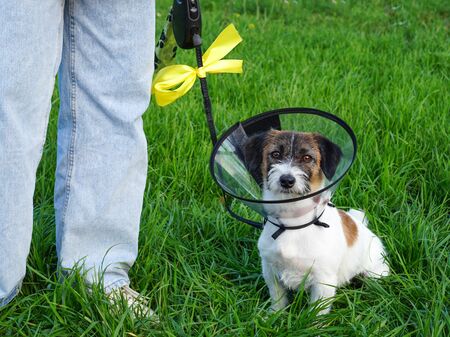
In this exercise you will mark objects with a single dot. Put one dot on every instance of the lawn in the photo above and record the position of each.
(383, 67)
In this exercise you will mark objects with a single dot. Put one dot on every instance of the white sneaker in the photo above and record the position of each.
(136, 302)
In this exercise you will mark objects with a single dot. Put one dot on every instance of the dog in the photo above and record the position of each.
(289, 165)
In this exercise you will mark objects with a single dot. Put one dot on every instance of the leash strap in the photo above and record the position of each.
(206, 99)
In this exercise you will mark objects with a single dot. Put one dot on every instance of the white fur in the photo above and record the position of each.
(318, 256)
(273, 191)
(277, 170)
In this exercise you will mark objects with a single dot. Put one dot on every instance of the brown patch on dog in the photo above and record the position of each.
(316, 178)
(317, 175)
(316, 182)
(349, 227)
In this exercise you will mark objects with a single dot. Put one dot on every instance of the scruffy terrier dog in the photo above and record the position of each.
(288, 165)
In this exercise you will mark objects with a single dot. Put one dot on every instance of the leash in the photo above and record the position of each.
(206, 100)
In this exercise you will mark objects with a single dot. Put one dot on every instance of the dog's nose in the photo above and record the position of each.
(287, 180)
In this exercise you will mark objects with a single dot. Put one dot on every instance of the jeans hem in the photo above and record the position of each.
(8, 298)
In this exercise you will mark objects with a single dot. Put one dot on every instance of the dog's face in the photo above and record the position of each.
(291, 163)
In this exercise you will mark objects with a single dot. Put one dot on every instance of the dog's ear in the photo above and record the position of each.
(253, 155)
(330, 156)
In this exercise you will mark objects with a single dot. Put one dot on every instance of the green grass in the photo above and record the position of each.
(383, 67)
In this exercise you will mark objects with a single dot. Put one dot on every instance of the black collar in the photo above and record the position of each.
(282, 228)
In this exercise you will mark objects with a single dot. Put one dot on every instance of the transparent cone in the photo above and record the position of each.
(234, 170)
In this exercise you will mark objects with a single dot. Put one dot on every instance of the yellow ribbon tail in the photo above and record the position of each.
(172, 82)
(222, 45)
(224, 66)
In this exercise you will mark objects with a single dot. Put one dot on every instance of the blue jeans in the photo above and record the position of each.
(103, 54)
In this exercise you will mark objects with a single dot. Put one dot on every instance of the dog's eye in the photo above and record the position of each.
(275, 154)
(307, 158)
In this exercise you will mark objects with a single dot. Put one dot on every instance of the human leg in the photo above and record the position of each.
(105, 80)
(30, 40)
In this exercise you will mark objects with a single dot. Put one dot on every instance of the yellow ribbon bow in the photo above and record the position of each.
(172, 82)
